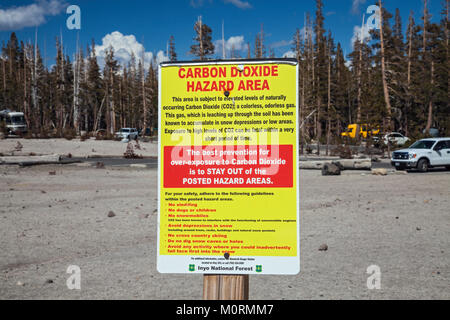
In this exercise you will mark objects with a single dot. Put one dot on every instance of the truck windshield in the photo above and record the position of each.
(125, 130)
(18, 120)
(424, 144)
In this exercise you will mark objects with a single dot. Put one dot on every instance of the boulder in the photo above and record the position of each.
(380, 172)
(331, 169)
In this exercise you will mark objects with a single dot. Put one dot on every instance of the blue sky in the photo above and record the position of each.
(132, 25)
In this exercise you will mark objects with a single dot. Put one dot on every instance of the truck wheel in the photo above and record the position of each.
(423, 165)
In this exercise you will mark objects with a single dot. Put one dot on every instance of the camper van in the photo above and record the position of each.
(14, 122)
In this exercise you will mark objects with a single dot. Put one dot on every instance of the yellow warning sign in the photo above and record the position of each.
(228, 167)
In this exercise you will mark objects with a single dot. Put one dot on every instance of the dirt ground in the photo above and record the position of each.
(77, 148)
(52, 217)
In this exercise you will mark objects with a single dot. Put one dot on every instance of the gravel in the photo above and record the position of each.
(399, 223)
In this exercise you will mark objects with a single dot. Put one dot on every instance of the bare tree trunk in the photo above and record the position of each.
(202, 54)
(425, 24)
(61, 115)
(359, 95)
(25, 64)
(302, 111)
(34, 88)
(144, 99)
(318, 123)
(86, 107)
(446, 41)
(329, 102)
(4, 75)
(408, 103)
(76, 91)
(430, 104)
(108, 109)
(448, 53)
(358, 109)
(98, 114)
(383, 73)
(447, 5)
(223, 41)
(113, 111)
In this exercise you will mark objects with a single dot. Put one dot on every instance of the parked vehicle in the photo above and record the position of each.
(432, 132)
(364, 131)
(127, 133)
(423, 154)
(15, 123)
(393, 138)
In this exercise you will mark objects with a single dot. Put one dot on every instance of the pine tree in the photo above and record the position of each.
(399, 82)
(38, 90)
(152, 85)
(95, 93)
(321, 72)
(397, 62)
(203, 46)
(172, 53)
(427, 67)
(109, 77)
(260, 49)
(78, 72)
(13, 59)
(385, 35)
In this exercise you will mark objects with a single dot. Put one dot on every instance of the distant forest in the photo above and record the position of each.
(397, 81)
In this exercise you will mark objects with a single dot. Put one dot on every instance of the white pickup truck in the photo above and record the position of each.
(423, 154)
(127, 134)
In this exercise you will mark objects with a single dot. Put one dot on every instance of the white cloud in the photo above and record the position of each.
(360, 34)
(305, 31)
(280, 44)
(16, 18)
(289, 54)
(197, 3)
(236, 43)
(239, 3)
(161, 57)
(348, 64)
(124, 47)
(356, 4)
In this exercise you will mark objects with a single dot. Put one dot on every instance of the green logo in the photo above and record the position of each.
(192, 267)
(258, 268)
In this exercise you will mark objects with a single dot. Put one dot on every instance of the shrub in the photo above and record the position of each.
(69, 134)
(343, 152)
(130, 154)
(85, 136)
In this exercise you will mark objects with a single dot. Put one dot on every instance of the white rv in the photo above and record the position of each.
(14, 122)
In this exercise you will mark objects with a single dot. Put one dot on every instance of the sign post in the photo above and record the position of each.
(228, 197)
(225, 287)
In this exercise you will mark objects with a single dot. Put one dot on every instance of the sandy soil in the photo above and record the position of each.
(47, 222)
(76, 147)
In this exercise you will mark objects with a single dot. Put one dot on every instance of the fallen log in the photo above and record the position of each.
(353, 164)
(47, 159)
(37, 163)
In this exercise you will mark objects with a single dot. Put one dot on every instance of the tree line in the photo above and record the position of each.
(394, 81)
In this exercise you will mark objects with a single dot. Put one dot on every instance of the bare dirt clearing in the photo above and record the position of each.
(76, 147)
(50, 221)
